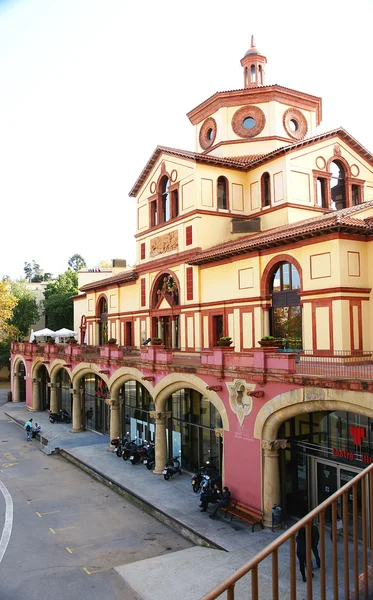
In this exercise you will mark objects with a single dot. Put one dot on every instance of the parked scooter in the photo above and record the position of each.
(139, 453)
(61, 417)
(118, 444)
(205, 473)
(171, 468)
(128, 448)
(149, 460)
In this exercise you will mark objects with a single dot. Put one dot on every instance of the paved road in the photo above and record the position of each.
(69, 531)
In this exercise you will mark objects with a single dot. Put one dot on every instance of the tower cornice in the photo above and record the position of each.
(256, 95)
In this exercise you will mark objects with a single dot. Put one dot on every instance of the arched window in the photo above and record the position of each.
(286, 316)
(246, 76)
(253, 74)
(338, 185)
(266, 189)
(222, 193)
(103, 323)
(165, 201)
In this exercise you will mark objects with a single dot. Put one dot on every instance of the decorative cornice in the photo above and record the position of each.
(257, 95)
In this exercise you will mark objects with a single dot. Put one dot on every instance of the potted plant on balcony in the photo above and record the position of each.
(156, 341)
(225, 341)
(50, 340)
(266, 341)
(72, 340)
(111, 342)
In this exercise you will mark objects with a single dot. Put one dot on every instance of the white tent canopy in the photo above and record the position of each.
(44, 332)
(64, 333)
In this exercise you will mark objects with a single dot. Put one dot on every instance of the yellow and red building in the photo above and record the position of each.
(266, 229)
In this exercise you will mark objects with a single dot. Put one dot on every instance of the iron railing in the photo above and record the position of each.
(345, 565)
(337, 364)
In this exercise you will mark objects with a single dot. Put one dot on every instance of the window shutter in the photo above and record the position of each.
(189, 283)
(142, 251)
(143, 292)
(188, 235)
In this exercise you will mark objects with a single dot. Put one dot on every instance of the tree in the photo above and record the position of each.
(34, 273)
(26, 312)
(58, 303)
(8, 303)
(76, 262)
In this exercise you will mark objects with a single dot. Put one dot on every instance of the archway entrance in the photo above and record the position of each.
(324, 451)
(44, 389)
(64, 392)
(22, 382)
(191, 430)
(135, 419)
(94, 408)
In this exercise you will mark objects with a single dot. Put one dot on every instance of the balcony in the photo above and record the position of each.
(339, 369)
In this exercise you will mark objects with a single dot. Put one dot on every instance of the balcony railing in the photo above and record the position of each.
(345, 560)
(339, 364)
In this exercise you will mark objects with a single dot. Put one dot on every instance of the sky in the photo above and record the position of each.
(89, 88)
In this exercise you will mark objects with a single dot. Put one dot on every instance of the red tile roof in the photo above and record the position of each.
(123, 277)
(341, 220)
(250, 161)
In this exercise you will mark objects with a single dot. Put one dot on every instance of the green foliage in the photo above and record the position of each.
(76, 262)
(4, 352)
(34, 273)
(156, 339)
(112, 341)
(26, 312)
(225, 339)
(8, 302)
(267, 338)
(58, 303)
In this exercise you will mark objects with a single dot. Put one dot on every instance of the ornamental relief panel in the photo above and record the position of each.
(240, 400)
(164, 243)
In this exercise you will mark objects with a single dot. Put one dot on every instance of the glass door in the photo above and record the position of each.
(331, 477)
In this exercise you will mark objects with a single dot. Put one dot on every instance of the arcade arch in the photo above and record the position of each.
(297, 421)
(19, 380)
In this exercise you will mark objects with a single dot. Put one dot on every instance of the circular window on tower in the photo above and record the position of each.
(207, 133)
(295, 123)
(248, 121)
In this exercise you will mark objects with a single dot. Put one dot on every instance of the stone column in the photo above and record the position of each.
(54, 398)
(114, 418)
(160, 440)
(77, 411)
(173, 333)
(271, 477)
(35, 394)
(159, 327)
(265, 321)
(16, 377)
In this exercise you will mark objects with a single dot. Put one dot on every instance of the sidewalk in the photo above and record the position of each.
(221, 546)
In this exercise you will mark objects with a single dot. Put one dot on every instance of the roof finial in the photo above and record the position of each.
(252, 42)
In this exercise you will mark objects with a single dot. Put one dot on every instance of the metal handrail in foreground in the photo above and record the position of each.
(338, 505)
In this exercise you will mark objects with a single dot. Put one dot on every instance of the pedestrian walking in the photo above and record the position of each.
(301, 552)
(28, 428)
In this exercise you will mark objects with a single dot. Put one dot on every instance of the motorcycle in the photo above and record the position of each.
(204, 473)
(139, 453)
(128, 448)
(61, 417)
(118, 444)
(149, 460)
(171, 468)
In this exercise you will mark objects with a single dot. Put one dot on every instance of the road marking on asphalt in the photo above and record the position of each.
(62, 528)
(48, 513)
(97, 570)
(8, 521)
(71, 550)
(7, 465)
(9, 456)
